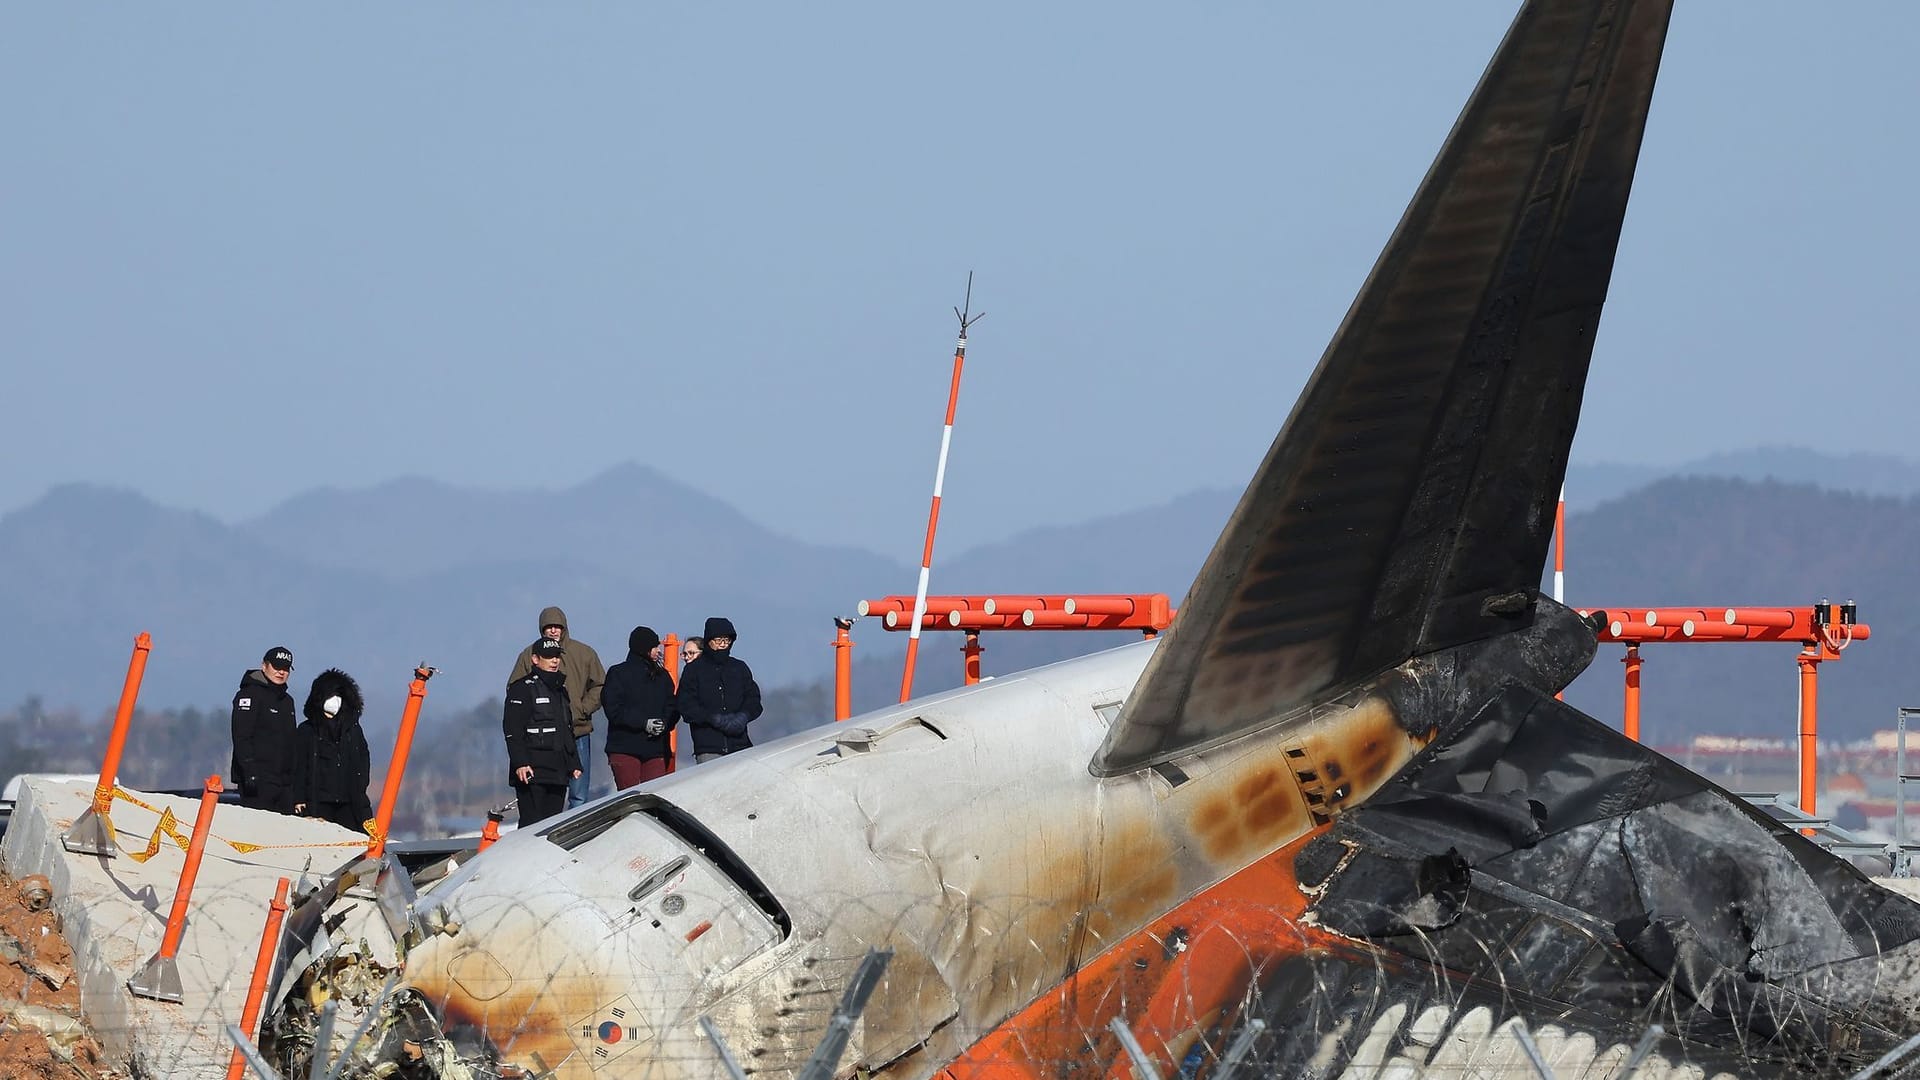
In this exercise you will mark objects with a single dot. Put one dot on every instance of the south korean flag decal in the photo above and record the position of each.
(610, 1031)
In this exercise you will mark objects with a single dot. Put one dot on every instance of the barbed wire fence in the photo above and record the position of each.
(1359, 1012)
(1470, 998)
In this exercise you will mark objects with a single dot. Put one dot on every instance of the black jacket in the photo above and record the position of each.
(263, 743)
(638, 690)
(716, 683)
(538, 725)
(331, 765)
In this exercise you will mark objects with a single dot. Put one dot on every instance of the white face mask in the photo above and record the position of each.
(331, 706)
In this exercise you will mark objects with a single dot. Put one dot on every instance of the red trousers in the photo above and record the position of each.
(629, 770)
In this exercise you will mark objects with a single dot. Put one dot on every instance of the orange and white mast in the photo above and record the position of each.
(939, 481)
(1560, 548)
(1560, 597)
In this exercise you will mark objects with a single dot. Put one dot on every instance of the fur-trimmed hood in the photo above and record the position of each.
(325, 685)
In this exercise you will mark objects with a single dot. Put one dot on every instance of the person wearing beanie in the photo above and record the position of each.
(639, 702)
(542, 754)
(263, 723)
(331, 765)
(585, 676)
(718, 696)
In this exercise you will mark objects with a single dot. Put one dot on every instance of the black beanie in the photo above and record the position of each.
(718, 627)
(642, 640)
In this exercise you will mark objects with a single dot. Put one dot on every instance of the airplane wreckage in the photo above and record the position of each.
(1335, 819)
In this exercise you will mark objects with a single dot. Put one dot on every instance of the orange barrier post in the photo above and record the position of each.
(92, 833)
(262, 968)
(972, 650)
(160, 978)
(1630, 723)
(670, 648)
(842, 669)
(490, 832)
(397, 768)
(1809, 725)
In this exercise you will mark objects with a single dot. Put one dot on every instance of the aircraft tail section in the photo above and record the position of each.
(1406, 505)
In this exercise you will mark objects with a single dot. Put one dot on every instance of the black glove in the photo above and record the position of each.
(656, 727)
(731, 724)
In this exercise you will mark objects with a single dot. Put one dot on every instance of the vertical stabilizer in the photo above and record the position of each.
(1407, 503)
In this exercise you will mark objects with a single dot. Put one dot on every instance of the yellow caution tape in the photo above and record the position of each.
(169, 827)
(166, 828)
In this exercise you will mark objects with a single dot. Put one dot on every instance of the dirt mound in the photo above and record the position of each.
(41, 1034)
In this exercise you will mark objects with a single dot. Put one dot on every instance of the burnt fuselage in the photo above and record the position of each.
(963, 831)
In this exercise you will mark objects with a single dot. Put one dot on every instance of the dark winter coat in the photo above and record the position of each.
(331, 766)
(579, 663)
(638, 690)
(538, 729)
(718, 699)
(263, 743)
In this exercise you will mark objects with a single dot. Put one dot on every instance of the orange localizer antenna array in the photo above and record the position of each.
(939, 480)
(1822, 632)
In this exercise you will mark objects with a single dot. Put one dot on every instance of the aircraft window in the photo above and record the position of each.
(575, 831)
(1108, 711)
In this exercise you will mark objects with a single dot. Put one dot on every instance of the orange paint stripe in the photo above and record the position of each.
(953, 392)
(1227, 931)
(933, 522)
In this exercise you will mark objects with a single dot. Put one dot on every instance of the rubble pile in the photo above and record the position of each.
(41, 1033)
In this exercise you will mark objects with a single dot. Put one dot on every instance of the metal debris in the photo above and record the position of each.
(63, 1030)
(36, 893)
(15, 952)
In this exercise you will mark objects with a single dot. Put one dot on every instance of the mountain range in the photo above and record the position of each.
(377, 579)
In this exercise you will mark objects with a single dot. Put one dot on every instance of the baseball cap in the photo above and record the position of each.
(280, 657)
(548, 647)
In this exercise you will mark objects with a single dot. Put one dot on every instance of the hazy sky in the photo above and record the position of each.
(251, 249)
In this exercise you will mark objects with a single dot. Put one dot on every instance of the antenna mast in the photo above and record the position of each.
(967, 319)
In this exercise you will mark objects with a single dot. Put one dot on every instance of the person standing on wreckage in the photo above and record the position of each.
(718, 697)
(263, 734)
(542, 755)
(585, 676)
(331, 765)
(639, 703)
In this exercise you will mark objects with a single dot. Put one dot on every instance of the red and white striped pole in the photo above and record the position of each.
(939, 481)
(1560, 548)
(1560, 584)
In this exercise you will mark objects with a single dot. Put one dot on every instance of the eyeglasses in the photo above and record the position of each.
(688, 654)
